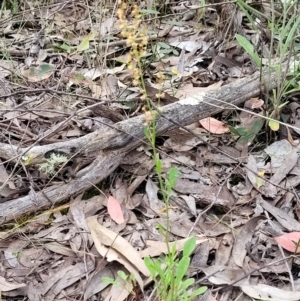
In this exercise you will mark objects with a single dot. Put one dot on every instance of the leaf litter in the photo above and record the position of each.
(55, 85)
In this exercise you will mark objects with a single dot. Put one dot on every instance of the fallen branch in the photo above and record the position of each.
(111, 146)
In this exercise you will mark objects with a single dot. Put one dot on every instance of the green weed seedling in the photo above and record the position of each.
(169, 275)
(245, 134)
(249, 48)
(162, 50)
(128, 280)
(284, 27)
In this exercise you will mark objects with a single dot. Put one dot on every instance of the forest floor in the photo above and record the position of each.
(86, 166)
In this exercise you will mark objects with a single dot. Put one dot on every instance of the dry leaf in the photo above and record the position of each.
(95, 284)
(214, 126)
(114, 210)
(281, 216)
(225, 275)
(254, 103)
(111, 239)
(156, 248)
(269, 293)
(239, 251)
(132, 264)
(251, 172)
(289, 241)
(119, 292)
(190, 95)
(8, 286)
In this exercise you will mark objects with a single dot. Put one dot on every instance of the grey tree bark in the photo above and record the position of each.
(110, 147)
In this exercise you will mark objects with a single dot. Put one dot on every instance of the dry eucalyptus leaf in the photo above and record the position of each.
(281, 216)
(225, 275)
(6, 286)
(104, 236)
(95, 284)
(239, 248)
(156, 248)
(214, 126)
(119, 292)
(288, 164)
(269, 293)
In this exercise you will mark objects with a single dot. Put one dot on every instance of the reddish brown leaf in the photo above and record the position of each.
(214, 126)
(114, 210)
(289, 241)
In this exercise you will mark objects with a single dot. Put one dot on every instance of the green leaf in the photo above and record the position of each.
(131, 277)
(258, 124)
(182, 267)
(122, 275)
(246, 138)
(242, 131)
(44, 68)
(166, 51)
(147, 133)
(160, 271)
(201, 290)
(248, 47)
(65, 47)
(282, 105)
(173, 252)
(158, 165)
(108, 280)
(189, 247)
(173, 175)
(154, 267)
(187, 283)
(161, 228)
(168, 276)
(85, 43)
(183, 296)
(150, 266)
(163, 45)
(175, 52)
(234, 131)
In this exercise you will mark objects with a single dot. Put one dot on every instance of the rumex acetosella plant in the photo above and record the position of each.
(136, 38)
(168, 274)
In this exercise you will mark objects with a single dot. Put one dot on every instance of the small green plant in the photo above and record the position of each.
(249, 48)
(161, 50)
(124, 281)
(292, 80)
(51, 164)
(284, 29)
(13, 5)
(169, 275)
(246, 134)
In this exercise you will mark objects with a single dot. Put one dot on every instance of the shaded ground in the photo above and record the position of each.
(64, 78)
